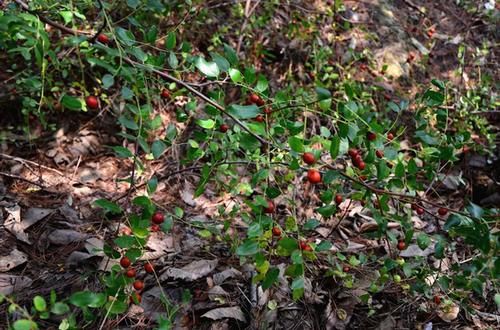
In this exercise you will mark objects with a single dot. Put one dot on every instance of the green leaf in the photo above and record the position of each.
(296, 144)
(335, 146)
(107, 81)
(87, 299)
(235, 75)
(248, 248)
(171, 41)
(271, 278)
(311, 224)
(133, 3)
(116, 307)
(206, 123)
(324, 246)
(158, 148)
(289, 244)
(66, 15)
(230, 54)
(108, 206)
(438, 83)
(433, 98)
(209, 69)
(172, 60)
(122, 152)
(497, 300)
(125, 241)
(152, 185)
(71, 102)
(323, 93)
(128, 123)
(327, 211)
(244, 111)
(24, 325)
(39, 303)
(59, 308)
(125, 36)
(127, 93)
(221, 62)
(297, 288)
(133, 254)
(423, 241)
(262, 84)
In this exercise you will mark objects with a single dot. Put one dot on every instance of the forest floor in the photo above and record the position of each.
(50, 179)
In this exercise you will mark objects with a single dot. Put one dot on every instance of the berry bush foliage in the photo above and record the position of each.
(333, 182)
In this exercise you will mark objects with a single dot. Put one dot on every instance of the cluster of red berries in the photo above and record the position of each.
(356, 158)
(138, 285)
(313, 175)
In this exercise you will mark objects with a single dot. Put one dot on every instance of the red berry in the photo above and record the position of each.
(135, 297)
(314, 176)
(363, 177)
(125, 262)
(276, 231)
(362, 165)
(223, 128)
(357, 160)
(92, 102)
(346, 269)
(371, 136)
(130, 273)
(155, 228)
(390, 136)
(437, 300)
(165, 94)
(379, 153)
(338, 199)
(267, 111)
(149, 268)
(442, 211)
(414, 207)
(303, 245)
(270, 207)
(353, 153)
(363, 67)
(259, 119)
(260, 102)
(158, 218)
(138, 285)
(401, 245)
(102, 38)
(411, 57)
(254, 98)
(308, 158)
(420, 211)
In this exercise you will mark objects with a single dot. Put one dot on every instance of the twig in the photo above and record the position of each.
(17, 177)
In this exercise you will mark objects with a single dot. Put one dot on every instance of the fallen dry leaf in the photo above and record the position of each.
(12, 260)
(448, 313)
(225, 312)
(193, 271)
(12, 283)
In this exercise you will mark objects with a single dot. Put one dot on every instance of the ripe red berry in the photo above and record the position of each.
(437, 300)
(270, 207)
(346, 269)
(411, 57)
(303, 245)
(379, 153)
(254, 98)
(223, 128)
(362, 165)
(165, 94)
(259, 119)
(102, 38)
(442, 211)
(401, 245)
(356, 160)
(363, 67)
(308, 158)
(158, 218)
(353, 153)
(149, 268)
(267, 111)
(371, 136)
(125, 262)
(260, 102)
(420, 211)
(390, 136)
(92, 102)
(138, 285)
(313, 176)
(338, 199)
(155, 228)
(135, 297)
(131, 273)
(276, 231)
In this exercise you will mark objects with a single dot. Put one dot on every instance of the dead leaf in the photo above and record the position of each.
(158, 245)
(448, 313)
(225, 312)
(16, 226)
(12, 260)
(193, 271)
(12, 283)
(414, 250)
(66, 236)
(219, 278)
